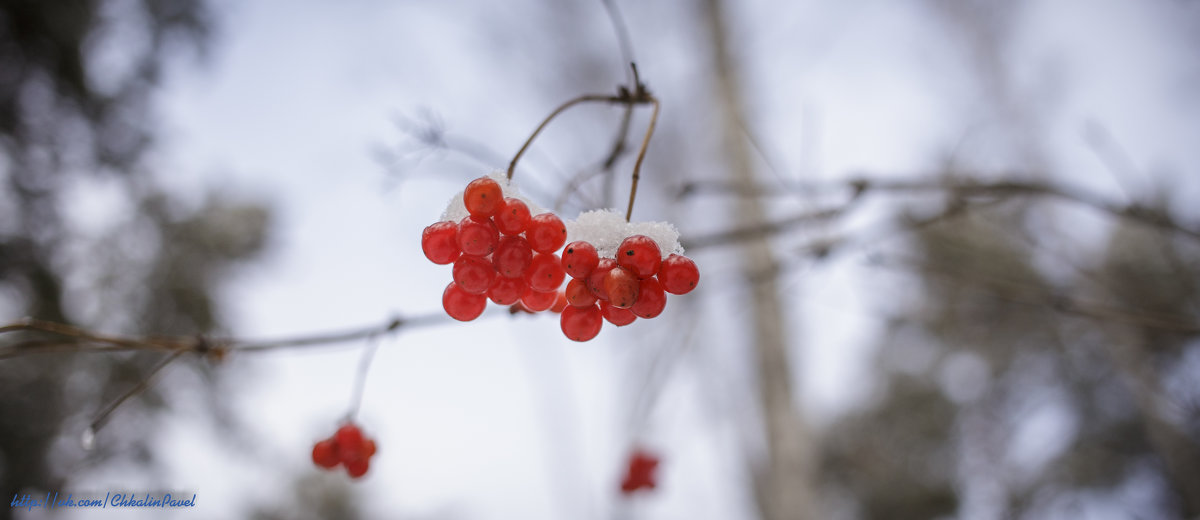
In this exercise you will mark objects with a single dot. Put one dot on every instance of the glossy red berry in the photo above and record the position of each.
(545, 272)
(477, 237)
(513, 217)
(621, 285)
(581, 323)
(578, 295)
(640, 255)
(678, 274)
(462, 305)
(512, 257)
(537, 301)
(325, 454)
(615, 316)
(358, 467)
(483, 197)
(595, 279)
(473, 274)
(546, 233)
(506, 291)
(579, 258)
(369, 447)
(439, 242)
(651, 299)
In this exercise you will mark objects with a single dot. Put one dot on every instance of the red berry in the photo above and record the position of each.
(325, 454)
(545, 272)
(369, 447)
(536, 301)
(639, 254)
(595, 279)
(439, 241)
(651, 299)
(546, 233)
(462, 305)
(560, 303)
(679, 274)
(615, 316)
(578, 294)
(512, 257)
(579, 259)
(483, 197)
(640, 473)
(477, 237)
(621, 285)
(473, 274)
(581, 323)
(358, 467)
(506, 291)
(349, 441)
(513, 217)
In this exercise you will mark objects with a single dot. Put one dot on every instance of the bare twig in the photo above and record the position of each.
(637, 165)
(140, 387)
(1001, 189)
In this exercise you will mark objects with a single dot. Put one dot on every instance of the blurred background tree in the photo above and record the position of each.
(88, 237)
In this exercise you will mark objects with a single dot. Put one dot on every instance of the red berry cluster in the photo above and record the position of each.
(640, 474)
(621, 290)
(499, 251)
(349, 447)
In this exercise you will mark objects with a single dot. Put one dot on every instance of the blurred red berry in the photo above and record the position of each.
(357, 467)
(325, 454)
(640, 472)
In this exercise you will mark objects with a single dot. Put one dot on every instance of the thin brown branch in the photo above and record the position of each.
(586, 98)
(637, 165)
(142, 385)
(964, 189)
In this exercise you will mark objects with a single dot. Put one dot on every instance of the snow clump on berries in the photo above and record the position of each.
(456, 209)
(606, 228)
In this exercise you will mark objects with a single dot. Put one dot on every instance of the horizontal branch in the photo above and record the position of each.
(1153, 217)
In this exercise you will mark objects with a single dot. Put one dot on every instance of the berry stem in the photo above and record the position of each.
(142, 385)
(360, 378)
(586, 98)
(637, 165)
